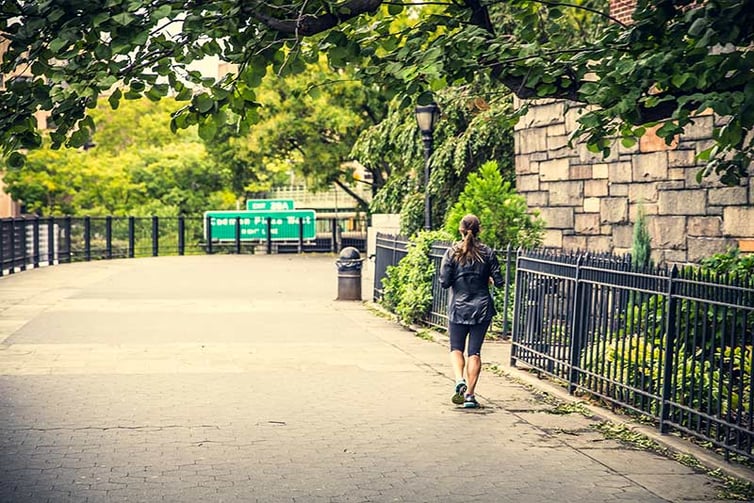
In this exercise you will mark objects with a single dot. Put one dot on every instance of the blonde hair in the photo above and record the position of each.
(469, 249)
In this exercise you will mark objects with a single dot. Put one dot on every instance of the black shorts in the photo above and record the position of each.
(475, 333)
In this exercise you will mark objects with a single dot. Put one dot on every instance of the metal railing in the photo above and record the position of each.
(391, 249)
(674, 345)
(29, 242)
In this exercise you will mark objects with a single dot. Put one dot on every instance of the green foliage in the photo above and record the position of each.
(665, 68)
(138, 167)
(475, 127)
(641, 244)
(502, 212)
(407, 287)
(730, 262)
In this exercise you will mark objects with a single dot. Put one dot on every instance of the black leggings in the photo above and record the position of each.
(458, 333)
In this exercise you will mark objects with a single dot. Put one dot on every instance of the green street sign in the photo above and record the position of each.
(269, 204)
(284, 225)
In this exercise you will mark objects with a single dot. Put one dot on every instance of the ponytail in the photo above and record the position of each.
(469, 249)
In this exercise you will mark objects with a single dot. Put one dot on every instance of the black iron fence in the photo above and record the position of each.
(390, 249)
(38, 241)
(674, 345)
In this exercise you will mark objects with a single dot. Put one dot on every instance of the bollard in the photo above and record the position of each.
(349, 274)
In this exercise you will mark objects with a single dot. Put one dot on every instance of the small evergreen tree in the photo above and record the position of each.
(502, 212)
(641, 245)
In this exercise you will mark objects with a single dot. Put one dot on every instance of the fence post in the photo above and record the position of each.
(334, 237)
(131, 236)
(2, 257)
(109, 237)
(35, 242)
(12, 247)
(238, 235)
(181, 235)
(269, 235)
(155, 236)
(516, 308)
(208, 228)
(51, 241)
(507, 290)
(300, 235)
(577, 326)
(24, 257)
(87, 238)
(667, 370)
(68, 239)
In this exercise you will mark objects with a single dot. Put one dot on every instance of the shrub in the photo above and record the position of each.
(502, 212)
(407, 287)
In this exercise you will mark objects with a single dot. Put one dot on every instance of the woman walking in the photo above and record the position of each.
(468, 267)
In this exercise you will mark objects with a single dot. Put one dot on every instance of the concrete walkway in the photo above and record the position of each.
(240, 378)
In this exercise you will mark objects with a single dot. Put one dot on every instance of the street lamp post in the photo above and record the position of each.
(427, 117)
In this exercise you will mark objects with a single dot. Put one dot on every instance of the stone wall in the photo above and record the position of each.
(591, 203)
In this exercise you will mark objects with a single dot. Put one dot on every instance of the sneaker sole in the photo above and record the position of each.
(458, 397)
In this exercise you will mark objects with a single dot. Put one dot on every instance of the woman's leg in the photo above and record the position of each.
(457, 334)
(474, 364)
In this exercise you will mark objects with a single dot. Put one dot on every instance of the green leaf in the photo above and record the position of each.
(16, 160)
(203, 103)
(394, 9)
(123, 18)
(628, 142)
(207, 129)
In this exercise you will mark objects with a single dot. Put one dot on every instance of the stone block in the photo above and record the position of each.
(681, 158)
(572, 113)
(623, 236)
(614, 210)
(710, 227)
(591, 204)
(566, 193)
(524, 165)
(558, 153)
(650, 142)
(699, 129)
(557, 129)
(620, 172)
(646, 208)
(600, 171)
(538, 199)
(619, 189)
(672, 257)
(552, 238)
(599, 243)
(701, 248)
(527, 183)
(672, 185)
(595, 188)
(557, 218)
(580, 172)
(587, 223)
(677, 174)
(554, 169)
(573, 243)
(728, 196)
(642, 192)
(738, 221)
(649, 167)
(682, 202)
(543, 114)
(532, 140)
(667, 232)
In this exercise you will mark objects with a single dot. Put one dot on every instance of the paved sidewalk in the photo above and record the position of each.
(240, 378)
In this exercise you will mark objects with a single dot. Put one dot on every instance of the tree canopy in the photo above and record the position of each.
(679, 58)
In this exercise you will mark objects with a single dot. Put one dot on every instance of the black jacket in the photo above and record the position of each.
(470, 302)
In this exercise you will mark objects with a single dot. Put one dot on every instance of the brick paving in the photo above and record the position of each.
(240, 378)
